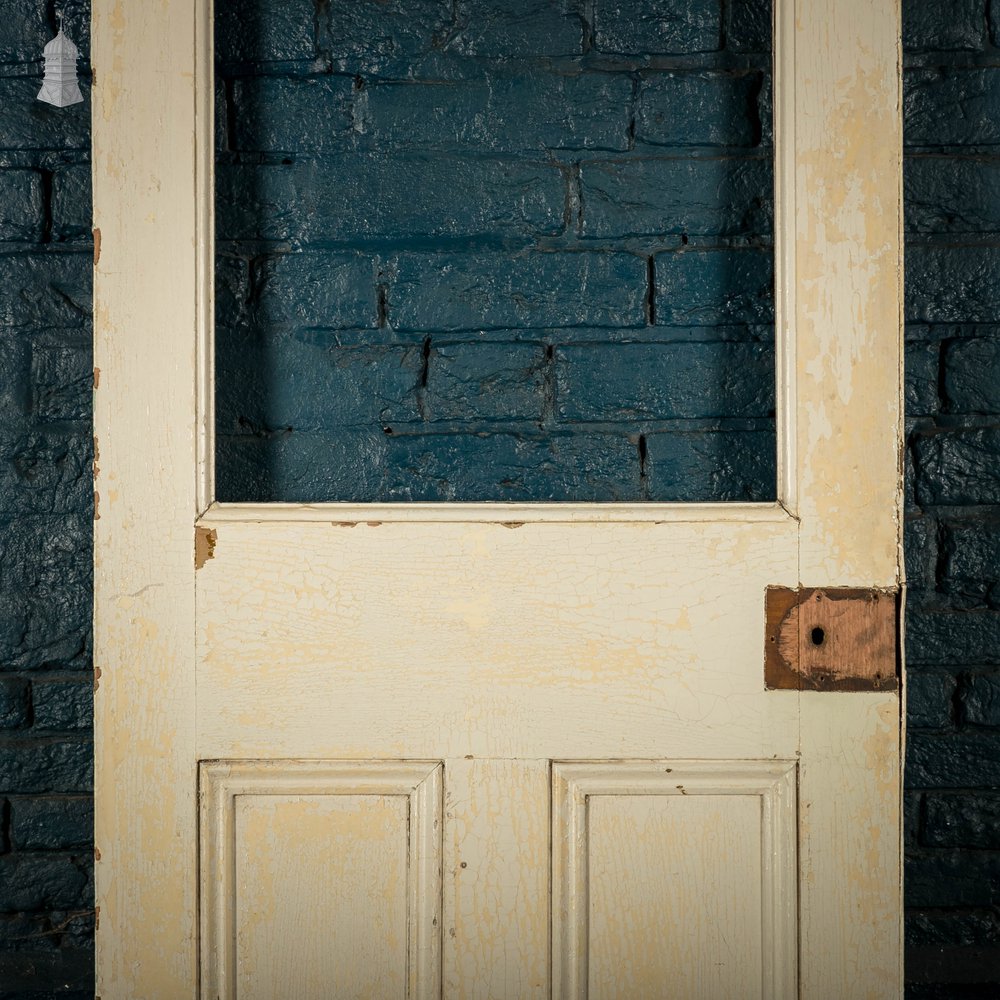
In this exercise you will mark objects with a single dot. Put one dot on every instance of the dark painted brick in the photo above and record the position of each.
(20, 205)
(45, 577)
(27, 123)
(46, 552)
(942, 878)
(972, 375)
(62, 381)
(959, 467)
(64, 705)
(951, 107)
(385, 197)
(972, 566)
(25, 33)
(663, 381)
(15, 703)
(43, 881)
(301, 467)
(640, 27)
(232, 289)
(929, 700)
(965, 928)
(948, 194)
(46, 765)
(70, 970)
(289, 382)
(371, 37)
(21, 932)
(277, 31)
(730, 465)
(71, 203)
(535, 290)
(316, 289)
(45, 473)
(579, 466)
(924, 27)
(952, 285)
(980, 696)
(51, 823)
(308, 115)
(502, 111)
(749, 28)
(920, 545)
(657, 197)
(45, 289)
(953, 637)
(77, 928)
(955, 760)
(932, 969)
(699, 109)
(714, 287)
(486, 382)
(912, 809)
(921, 370)
(962, 819)
(222, 115)
(503, 29)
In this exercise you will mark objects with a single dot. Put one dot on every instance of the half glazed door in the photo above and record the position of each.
(499, 750)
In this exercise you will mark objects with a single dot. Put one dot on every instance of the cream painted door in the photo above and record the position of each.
(490, 751)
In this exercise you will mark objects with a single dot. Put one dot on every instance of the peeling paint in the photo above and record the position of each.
(97, 247)
(204, 545)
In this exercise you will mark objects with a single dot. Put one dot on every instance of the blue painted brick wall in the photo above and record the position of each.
(507, 250)
(953, 392)
(46, 811)
(952, 195)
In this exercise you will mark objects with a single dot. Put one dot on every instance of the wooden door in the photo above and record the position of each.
(493, 750)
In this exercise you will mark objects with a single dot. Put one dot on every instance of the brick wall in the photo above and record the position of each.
(46, 887)
(953, 400)
(483, 250)
(952, 191)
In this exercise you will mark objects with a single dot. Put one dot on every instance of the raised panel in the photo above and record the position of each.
(674, 879)
(321, 880)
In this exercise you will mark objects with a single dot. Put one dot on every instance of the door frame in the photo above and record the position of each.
(838, 263)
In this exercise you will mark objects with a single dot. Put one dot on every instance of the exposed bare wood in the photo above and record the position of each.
(831, 639)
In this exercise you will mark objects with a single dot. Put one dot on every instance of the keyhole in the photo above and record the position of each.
(817, 635)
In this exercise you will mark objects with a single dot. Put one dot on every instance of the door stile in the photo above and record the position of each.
(145, 301)
(847, 312)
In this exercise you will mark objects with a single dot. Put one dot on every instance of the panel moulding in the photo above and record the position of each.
(773, 782)
(222, 782)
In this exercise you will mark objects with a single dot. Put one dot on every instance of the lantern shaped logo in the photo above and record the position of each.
(59, 86)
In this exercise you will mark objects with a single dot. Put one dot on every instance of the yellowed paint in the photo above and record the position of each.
(445, 655)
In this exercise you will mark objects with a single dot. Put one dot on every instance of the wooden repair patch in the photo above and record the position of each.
(831, 639)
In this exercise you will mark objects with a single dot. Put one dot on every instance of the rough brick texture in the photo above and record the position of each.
(46, 813)
(952, 200)
(494, 249)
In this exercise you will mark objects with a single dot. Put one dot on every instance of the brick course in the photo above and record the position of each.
(496, 185)
(46, 887)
